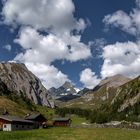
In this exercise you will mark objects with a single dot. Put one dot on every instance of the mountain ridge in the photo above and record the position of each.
(66, 89)
(104, 93)
(115, 81)
(20, 80)
(109, 103)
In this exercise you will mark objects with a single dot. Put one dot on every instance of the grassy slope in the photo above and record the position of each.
(20, 108)
(47, 112)
(72, 134)
(12, 107)
(130, 91)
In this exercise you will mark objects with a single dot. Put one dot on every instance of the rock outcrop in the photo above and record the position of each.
(19, 80)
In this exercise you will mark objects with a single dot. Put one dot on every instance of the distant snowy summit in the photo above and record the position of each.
(66, 89)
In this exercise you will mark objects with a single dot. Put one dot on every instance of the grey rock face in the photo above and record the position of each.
(22, 81)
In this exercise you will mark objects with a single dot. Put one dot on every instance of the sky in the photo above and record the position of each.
(72, 40)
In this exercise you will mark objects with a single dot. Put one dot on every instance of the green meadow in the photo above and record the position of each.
(63, 133)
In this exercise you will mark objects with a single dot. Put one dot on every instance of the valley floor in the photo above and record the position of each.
(62, 133)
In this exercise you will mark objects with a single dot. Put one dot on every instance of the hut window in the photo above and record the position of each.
(22, 126)
(4, 126)
(16, 126)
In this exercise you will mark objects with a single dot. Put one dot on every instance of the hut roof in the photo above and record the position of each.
(14, 119)
(34, 116)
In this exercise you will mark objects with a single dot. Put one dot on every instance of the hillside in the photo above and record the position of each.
(12, 107)
(22, 82)
(108, 103)
(127, 98)
(92, 99)
(101, 94)
(16, 105)
(21, 108)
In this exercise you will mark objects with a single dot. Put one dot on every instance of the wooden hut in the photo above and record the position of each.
(61, 122)
(38, 119)
(11, 123)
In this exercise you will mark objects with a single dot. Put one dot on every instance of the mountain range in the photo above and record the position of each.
(19, 87)
(109, 91)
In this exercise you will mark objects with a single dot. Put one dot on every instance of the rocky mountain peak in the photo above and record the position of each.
(66, 89)
(20, 80)
(67, 85)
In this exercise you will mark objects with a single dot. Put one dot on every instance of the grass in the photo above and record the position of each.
(12, 107)
(62, 133)
(20, 110)
(76, 120)
(47, 112)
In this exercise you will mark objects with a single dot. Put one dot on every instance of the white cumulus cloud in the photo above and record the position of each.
(46, 34)
(129, 23)
(89, 79)
(121, 58)
(49, 75)
(56, 15)
(46, 49)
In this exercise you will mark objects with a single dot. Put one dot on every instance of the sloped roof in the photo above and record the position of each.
(14, 119)
(33, 116)
(61, 119)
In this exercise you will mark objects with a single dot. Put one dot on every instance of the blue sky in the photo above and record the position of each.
(78, 41)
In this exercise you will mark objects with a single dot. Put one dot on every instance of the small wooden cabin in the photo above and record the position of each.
(61, 122)
(12, 123)
(38, 119)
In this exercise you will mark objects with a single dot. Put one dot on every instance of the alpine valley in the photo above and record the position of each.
(21, 91)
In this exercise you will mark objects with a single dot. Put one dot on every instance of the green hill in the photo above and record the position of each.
(108, 103)
(12, 107)
(21, 108)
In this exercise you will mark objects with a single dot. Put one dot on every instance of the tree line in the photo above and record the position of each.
(91, 115)
(104, 114)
